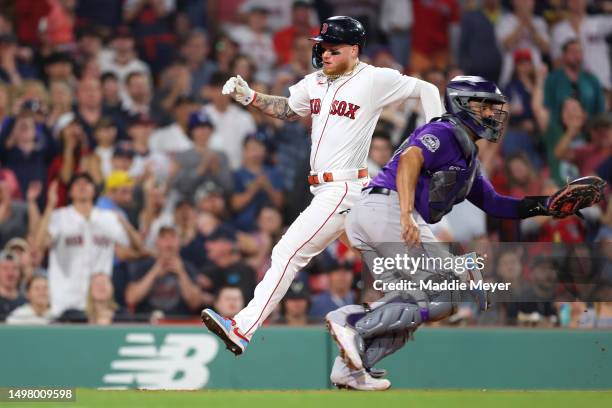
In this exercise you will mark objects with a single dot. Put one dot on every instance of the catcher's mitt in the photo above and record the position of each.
(576, 195)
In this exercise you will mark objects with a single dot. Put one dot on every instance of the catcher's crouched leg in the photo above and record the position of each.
(387, 328)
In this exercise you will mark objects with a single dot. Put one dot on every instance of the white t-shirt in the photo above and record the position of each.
(169, 139)
(259, 47)
(345, 111)
(231, 127)
(25, 315)
(80, 247)
(504, 29)
(593, 32)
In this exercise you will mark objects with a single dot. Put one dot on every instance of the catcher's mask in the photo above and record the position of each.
(337, 30)
(487, 114)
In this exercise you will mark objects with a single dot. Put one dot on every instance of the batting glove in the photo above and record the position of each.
(239, 90)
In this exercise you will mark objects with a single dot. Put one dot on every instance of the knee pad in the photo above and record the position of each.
(393, 317)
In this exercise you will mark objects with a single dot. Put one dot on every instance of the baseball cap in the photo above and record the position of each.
(7, 255)
(118, 179)
(17, 242)
(199, 118)
(123, 149)
(123, 31)
(140, 119)
(297, 290)
(63, 122)
(600, 121)
(58, 57)
(206, 189)
(522, 54)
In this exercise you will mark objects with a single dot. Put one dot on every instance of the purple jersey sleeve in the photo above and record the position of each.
(484, 196)
(438, 147)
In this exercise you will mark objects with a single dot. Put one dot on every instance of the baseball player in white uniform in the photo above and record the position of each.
(345, 99)
(82, 240)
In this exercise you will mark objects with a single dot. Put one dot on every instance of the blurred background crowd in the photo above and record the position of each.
(117, 103)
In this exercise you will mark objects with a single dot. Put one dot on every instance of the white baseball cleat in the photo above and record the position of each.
(343, 377)
(345, 339)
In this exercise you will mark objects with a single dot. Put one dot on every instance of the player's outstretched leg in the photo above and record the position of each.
(343, 377)
(225, 330)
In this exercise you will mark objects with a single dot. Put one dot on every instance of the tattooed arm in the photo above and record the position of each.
(275, 106)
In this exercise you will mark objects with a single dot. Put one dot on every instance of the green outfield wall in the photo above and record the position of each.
(172, 357)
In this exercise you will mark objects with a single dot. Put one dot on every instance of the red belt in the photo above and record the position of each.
(328, 176)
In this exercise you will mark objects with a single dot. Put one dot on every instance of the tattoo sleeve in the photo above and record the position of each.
(275, 106)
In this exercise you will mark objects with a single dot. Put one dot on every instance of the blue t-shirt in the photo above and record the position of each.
(245, 220)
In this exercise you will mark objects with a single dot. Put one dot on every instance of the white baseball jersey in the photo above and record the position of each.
(80, 247)
(345, 111)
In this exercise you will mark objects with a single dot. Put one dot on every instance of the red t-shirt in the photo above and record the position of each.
(283, 42)
(432, 19)
(589, 157)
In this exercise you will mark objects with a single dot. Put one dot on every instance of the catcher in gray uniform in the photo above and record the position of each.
(435, 168)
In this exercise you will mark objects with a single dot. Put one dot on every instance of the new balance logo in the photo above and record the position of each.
(178, 364)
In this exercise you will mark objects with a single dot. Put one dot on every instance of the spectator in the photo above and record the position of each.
(232, 124)
(101, 306)
(59, 66)
(29, 259)
(339, 293)
(26, 149)
(256, 185)
(12, 70)
(81, 239)
(298, 66)
(151, 25)
(123, 157)
(117, 195)
(61, 98)
(76, 155)
(122, 59)
(36, 311)
(521, 30)
(17, 218)
(536, 308)
(435, 23)
(522, 129)
(268, 233)
(229, 301)
(59, 23)
(185, 221)
(590, 156)
(571, 80)
(89, 109)
(227, 267)
(254, 41)
(285, 38)
(226, 50)
(479, 52)
(174, 137)
(111, 98)
(381, 151)
(196, 52)
(396, 20)
(10, 297)
(591, 31)
(105, 134)
(165, 282)
(138, 94)
(295, 305)
(89, 42)
(146, 162)
(201, 163)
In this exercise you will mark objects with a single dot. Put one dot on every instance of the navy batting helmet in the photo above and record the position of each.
(337, 30)
(463, 89)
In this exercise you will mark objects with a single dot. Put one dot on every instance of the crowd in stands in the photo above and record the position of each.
(132, 189)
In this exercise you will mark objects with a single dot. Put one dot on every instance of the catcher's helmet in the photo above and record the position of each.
(337, 30)
(463, 89)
